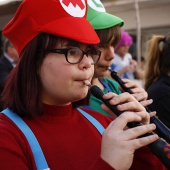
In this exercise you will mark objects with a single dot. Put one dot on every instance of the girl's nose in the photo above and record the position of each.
(110, 53)
(86, 62)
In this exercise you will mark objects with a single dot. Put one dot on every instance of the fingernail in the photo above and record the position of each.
(106, 94)
(113, 101)
(120, 107)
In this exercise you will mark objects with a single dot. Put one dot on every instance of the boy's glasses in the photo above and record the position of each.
(75, 55)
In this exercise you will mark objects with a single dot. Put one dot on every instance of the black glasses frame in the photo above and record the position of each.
(65, 52)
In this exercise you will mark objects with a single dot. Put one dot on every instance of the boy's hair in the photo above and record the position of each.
(22, 93)
(109, 35)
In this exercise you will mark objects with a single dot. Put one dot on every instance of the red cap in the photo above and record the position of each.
(65, 18)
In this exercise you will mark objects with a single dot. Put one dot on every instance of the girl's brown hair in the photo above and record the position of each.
(22, 92)
(109, 35)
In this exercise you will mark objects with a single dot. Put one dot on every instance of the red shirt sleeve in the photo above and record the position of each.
(100, 164)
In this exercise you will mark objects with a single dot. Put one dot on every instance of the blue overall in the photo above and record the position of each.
(40, 160)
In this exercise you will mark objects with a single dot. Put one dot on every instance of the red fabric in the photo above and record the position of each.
(53, 17)
(145, 160)
(66, 144)
(66, 141)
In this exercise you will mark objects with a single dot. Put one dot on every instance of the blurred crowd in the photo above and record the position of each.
(8, 61)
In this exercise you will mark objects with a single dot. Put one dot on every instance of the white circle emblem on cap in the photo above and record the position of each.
(96, 5)
(76, 8)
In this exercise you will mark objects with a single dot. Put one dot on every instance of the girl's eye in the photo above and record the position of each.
(101, 48)
(72, 52)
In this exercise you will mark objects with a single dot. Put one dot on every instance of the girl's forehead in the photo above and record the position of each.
(73, 43)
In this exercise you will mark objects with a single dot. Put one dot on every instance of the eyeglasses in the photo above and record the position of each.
(75, 55)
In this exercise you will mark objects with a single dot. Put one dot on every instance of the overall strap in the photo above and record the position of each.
(39, 158)
(93, 121)
(105, 85)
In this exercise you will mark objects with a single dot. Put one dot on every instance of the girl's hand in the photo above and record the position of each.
(119, 145)
(126, 102)
(137, 91)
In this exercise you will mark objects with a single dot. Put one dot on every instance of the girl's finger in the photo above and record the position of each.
(121, 121)
(138, 131)
(146, 102)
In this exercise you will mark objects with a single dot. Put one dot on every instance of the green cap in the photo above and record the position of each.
(99, 18)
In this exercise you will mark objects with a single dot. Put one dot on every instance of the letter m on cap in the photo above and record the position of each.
(74, 3)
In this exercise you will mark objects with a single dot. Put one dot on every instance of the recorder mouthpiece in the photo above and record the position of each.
(87, 83)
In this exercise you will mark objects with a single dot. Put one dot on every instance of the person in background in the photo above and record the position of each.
(139, 73)
(140, 70)
(8, 61)
(109, 32)
(123, 63)
(57, 50)
(157, 76)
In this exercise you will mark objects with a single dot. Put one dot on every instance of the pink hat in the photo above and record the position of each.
(126, 39)
(65, 18)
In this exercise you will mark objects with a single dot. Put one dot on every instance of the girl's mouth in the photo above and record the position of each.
(104, 67)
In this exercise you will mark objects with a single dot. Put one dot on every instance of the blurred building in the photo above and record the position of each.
(7, 10)
(154, 15)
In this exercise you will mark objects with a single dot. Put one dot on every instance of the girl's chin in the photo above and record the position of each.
(81, 96)
(101, 74)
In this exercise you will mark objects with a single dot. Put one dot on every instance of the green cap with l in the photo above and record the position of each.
(99, 18)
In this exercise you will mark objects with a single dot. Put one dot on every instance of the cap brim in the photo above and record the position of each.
(77, 29)
(105, 20)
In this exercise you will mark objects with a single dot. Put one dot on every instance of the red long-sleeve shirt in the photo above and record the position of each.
(67, 143)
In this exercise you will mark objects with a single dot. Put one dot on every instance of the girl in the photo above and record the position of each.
(109, 32)
(57, 52)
